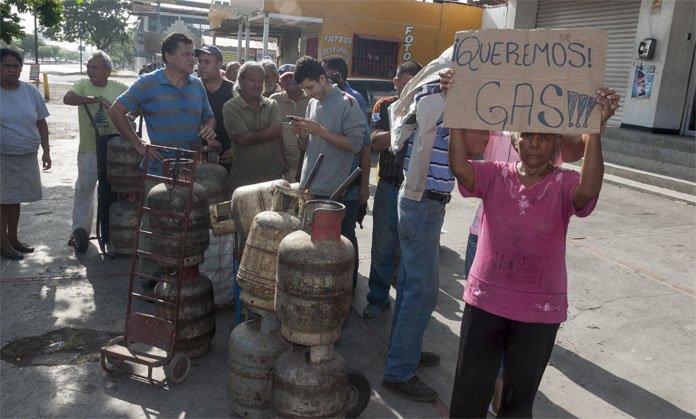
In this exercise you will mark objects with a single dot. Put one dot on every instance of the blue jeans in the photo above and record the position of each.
(385, 240)
(417, 286)
(348, 230)
(471, 245)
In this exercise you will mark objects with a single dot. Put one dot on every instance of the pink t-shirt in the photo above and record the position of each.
(499, 148)
(519, 271)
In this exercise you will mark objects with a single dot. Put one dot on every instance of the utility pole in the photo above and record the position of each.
(36, 39)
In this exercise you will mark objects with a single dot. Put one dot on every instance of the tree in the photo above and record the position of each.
(48, 13)
(26, 44)
(97, 22)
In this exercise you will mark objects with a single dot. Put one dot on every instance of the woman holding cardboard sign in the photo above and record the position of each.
(516, 291)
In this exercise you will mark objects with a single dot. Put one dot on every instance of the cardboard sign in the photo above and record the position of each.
(541, 80)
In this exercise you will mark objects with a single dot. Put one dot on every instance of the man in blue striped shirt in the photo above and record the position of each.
(422, 199)
(177, 112)
(173, 102)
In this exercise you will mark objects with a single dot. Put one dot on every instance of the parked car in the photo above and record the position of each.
(373, 90)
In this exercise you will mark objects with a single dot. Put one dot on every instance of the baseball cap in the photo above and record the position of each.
(209, 49)
(287, 74)
(286, 68)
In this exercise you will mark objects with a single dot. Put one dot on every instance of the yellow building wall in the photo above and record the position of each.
(430, 27)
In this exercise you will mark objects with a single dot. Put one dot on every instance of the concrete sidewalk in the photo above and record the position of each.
(627, 349)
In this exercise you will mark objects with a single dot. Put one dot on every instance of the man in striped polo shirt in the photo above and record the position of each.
(173, 102)
(424, 193)
(177, 112)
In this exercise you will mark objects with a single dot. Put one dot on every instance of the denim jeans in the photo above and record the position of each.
(471, 245)
(348, 230)
(385, 240)
(417, 286)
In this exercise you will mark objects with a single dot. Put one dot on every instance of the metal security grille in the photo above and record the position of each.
(374, 57)
(619, 18)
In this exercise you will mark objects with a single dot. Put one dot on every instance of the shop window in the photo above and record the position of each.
(374, 57)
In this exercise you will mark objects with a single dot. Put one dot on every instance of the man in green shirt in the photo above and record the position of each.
(97, 92)
(253, 124)
(291, 102)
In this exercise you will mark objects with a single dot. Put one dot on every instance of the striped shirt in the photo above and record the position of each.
(429, 115)
(173, 115)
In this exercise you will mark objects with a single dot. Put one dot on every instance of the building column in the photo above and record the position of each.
(247, 36)
(265, 34)
(240, 24)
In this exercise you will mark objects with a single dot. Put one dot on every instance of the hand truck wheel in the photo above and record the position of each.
(81, 240)
(358, 394)
(177, 369)
(111, 363)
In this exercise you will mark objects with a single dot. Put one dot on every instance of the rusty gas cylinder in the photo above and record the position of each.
(314, 277)
(247, 202)
(123, 166)
(257, 270)
(309, 383)
(212, 177)
(123, 223)
(254, 347)
(195, 327)
(174, 198)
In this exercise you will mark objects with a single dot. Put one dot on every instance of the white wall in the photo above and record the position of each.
(673, 62)
(521, 14)
(494, 17)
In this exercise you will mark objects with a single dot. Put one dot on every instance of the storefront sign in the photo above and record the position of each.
(541, 80)
(337, 46)
(408, 43)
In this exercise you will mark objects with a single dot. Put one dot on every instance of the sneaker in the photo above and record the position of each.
(412, 388)
(373, 310)
(71, 241)
(429, 359)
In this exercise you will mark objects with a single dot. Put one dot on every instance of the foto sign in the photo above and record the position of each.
(540, 80)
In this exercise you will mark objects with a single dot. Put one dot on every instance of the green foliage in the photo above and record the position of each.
(48, 14)
(97, 22)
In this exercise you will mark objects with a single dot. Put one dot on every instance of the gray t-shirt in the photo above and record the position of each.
(21, 109)
(340, 113)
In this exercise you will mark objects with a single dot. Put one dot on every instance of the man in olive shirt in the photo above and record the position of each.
(292, 101)
(253, 124)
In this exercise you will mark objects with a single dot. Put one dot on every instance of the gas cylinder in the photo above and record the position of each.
(248, 201)
(212, 177)
(174, 198)
(257, 270)
(123, 166)
(314, 277)
(252, 353)
(195, 326)
(309, 385)
(123, 223)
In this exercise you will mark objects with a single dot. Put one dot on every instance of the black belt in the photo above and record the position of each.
(441, 197)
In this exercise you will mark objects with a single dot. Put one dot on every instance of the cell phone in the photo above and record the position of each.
(290, 118)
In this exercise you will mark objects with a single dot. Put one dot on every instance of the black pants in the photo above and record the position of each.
(485, 339)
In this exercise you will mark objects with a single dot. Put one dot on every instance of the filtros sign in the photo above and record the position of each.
(540, 80)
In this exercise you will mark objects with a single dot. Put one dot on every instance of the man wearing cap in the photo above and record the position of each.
(218, 89)
(293, 101)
